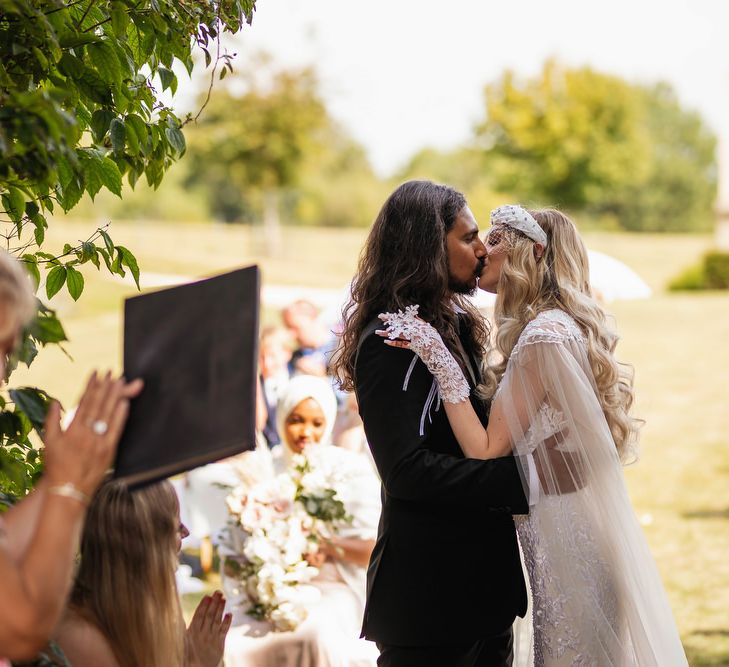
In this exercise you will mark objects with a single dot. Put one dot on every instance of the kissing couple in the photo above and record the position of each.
(483, 448)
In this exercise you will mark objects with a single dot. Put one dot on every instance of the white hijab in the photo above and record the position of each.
(298, 389)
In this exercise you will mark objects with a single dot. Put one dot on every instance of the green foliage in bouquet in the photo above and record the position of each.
(80, 109)
(323, 505)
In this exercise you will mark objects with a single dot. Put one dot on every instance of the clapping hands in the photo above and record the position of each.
(206, 634)
(81, 454)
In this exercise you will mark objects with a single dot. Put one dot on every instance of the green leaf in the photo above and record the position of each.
(40, 57)
(27, 352)
(31, 209)
(119, 19)
(129, 260)
(154, 172)
(110, 175)
(55, 280)
(14, 204)
(87, 252)
(74, 282)
(135, 123)
(94, 87)
(118, 135)
(70, 40)
(100, 122)
(105, 61)
(132, 140)
(105, 254)
(40, 234)
(30, 262)
(47, 328)
(176, 139)
(71, 66)
(168, 79)
(11, 467)
(65, 171)
(107, 241)
(92, 176)
(34, 404)
(71, 195)
(116, 265)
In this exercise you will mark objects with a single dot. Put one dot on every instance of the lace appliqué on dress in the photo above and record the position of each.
(549, 326)
(426, 342)
(563, 635)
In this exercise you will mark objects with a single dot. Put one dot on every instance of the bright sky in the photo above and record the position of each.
(405, 74)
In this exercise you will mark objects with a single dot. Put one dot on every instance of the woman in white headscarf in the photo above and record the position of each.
(328, 637)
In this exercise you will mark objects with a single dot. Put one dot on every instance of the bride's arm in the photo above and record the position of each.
(406, 330)
(476, 441)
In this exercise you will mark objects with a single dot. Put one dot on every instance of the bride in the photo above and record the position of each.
(559, 395)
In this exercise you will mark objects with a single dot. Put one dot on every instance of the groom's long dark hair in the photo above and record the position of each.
(404, 262)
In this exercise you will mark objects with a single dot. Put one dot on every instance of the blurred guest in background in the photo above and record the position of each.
(275, 355)
(314, 343)
(329, 636)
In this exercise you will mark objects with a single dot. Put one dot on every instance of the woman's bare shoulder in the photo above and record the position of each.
(83, 643)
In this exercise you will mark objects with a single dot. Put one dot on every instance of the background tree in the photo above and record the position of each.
(249, 148)
(679, 191)
(594, 143)
(337, 186)
(80, 108)
(466, 168)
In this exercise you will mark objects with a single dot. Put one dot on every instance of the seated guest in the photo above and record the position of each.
(275, 354)
(39, 535)
(314, 344)
(124, 608)
(329, 636)
(204, 489)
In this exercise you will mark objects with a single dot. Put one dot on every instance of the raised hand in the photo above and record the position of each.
(79, 456)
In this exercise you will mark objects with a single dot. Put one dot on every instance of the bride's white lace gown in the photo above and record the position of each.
(597, 599)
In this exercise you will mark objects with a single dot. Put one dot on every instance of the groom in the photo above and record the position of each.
(445, 581)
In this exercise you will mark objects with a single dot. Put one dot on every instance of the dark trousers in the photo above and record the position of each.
(496, 651)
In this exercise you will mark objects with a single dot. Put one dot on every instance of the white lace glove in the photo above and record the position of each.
(422, 338)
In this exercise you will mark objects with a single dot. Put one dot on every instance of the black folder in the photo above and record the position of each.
(196, 347)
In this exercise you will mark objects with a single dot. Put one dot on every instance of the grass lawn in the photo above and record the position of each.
(677, 343)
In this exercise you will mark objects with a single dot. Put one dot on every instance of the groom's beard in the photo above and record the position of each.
(469, 288)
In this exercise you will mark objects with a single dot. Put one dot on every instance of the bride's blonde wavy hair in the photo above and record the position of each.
(560, 279)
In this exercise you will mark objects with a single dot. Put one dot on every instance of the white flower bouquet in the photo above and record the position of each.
(277, 523)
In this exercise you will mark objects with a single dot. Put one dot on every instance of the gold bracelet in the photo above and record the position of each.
(70, 490)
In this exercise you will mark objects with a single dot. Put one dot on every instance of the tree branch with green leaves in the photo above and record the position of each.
(81, 110)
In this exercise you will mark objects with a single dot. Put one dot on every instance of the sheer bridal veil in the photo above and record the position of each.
(597, 596)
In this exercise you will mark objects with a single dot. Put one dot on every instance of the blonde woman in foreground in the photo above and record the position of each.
(558, 394)
(124, 608)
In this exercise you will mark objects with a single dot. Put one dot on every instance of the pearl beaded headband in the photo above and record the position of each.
(519, 218)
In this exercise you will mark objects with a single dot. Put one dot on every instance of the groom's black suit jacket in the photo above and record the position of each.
(446, 568)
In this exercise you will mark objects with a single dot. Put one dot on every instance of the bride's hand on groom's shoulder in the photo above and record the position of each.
(405, 327)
